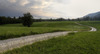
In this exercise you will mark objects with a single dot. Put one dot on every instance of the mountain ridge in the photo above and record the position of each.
(93, 15)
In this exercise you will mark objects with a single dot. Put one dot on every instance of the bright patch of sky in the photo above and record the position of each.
(49, 8)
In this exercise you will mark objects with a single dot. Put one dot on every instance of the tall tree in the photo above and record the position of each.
(27, 19)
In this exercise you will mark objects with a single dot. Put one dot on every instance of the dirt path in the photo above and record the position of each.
(19, 42)
(92, 28)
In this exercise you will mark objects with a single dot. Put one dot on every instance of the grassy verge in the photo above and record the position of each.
(95, 24)
(17, 30)
(79, 43)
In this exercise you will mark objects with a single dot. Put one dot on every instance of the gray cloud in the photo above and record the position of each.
(49, 8)
(11, 9)
(15, 8)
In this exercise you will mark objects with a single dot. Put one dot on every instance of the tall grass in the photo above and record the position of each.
(95, 24)
(79, 43)
(75, 43)
(18, 30)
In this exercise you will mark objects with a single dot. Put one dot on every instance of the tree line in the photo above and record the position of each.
(51, 19)
(90, 19)
(27, 19)
(9, 20)
(87, 18)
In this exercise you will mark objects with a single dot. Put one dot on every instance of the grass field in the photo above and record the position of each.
(92, 23)
(78, 43)
(17, 30)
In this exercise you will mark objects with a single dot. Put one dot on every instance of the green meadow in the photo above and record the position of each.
(18, 30)
(74, 43)
(95, 24)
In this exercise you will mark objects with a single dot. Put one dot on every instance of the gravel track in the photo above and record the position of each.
(92, 28)
(10, 44)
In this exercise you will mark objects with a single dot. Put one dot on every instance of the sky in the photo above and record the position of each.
(49, 8)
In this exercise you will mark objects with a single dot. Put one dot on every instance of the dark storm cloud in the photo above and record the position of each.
(11, 9)
(18, 7)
